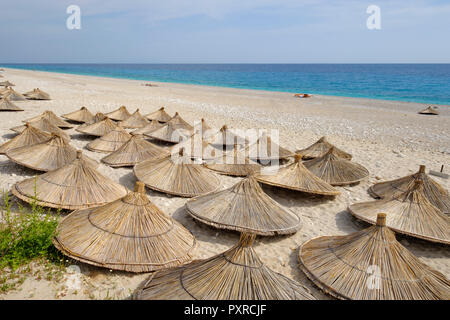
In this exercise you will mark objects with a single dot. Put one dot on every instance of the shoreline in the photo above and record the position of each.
(227, 87)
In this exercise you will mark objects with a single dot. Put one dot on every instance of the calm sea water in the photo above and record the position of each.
(424, 83)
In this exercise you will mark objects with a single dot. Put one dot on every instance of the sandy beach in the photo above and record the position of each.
(388, 137)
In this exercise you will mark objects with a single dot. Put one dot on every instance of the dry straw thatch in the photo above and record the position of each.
(236, 274)
(6, 105)
(37, 94)
(244, 207)
(180, 123)
(370, 265)
(98, 129)
(119, 114)
(409, 213)
(135, 121)
(6, 84)
(429, 111)
(13, 95)
(265, 150)
(335, 170)
(225, 138)
(82, 116)
(77, 185)
(176, 175)
(46, 156)
(110, 142)
(319, 148)
(152, 126)
(44, 125)
(296, 177)
(159, 115)
(234, 163)
(129, 234)
(135, 150)
(196, 148)
(433, 191)
(53, 118)
(27, 137)
(170, 132)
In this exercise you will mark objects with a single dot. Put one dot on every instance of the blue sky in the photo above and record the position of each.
(225, 31)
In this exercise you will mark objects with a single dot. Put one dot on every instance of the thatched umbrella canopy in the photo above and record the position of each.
(196, 148)
(82, 116)
(37, 94)
(170, 132)
(43, 124)
(409, 213)
(433, 191)
(129, 234)
(135, 150)
(296, 177)
(27, 137)
(176, 175)
(98, 129)
(370, 265)
(159, 115)
(236, 274)
(6, 105)
(77, 185)
(264, 149)
(335, 170)
(119, 114)
(53, 118)
(152, 126)
(6, 84)
(244, 207)
(319, 148)
(13, 95)
(135, 121)
(226, 138)
(49, 155)
(234, 163)
(180, 123)
(111, 141)
(429, 111)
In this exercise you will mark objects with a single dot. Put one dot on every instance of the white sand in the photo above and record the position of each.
(387, 137)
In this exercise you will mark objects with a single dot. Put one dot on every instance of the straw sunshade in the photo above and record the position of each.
(46, 156)
(152, 126)
(6, 84)
(244, 207)
(170, 133)
(234, 163)
(44, 125)
(263, 149)
(226, 138)
(370, 265)
(6, 105)
(335, 170)
(82, 116)
(159, 115)
(77, 185)
(236, 274)
(180, 123)
(13, 95)
(296, 177)
(53, 118)
(196, 148)
(111, 141)
(98, 129)
(430, 111)
(319, 148)
(119, 114)
(135, 121)
(135, 150)
(409, 213)
(37, 94)
(129, 234)
(433, 191)
(176, 175)
(27, 137)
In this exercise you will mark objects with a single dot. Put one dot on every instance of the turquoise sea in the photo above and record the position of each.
(424, 83)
